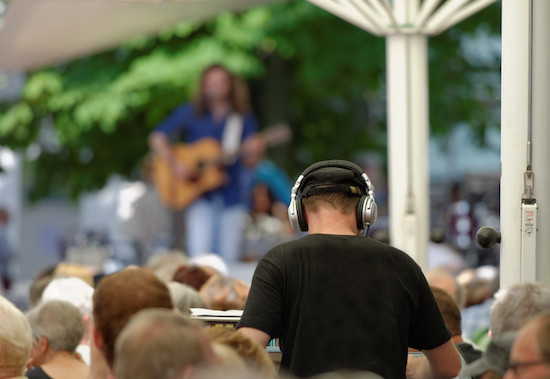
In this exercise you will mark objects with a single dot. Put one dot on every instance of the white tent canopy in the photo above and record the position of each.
(35, 34)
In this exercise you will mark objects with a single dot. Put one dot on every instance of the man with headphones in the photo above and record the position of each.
(339, 301)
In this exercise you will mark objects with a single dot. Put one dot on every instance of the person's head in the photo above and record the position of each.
(530, 354)
(217, 84)
(56, 325)
(193, 275)
(223, 293)
(338, 184)
(119, 296)
(478, 284)
(255, 356)
(74, 290)
(515, 305)
(15, 340)
(449, 310)
(443, 279)
(159, 343)
(495, 359)
(185, 297)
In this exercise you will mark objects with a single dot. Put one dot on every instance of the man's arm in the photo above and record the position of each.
(439, 363)
(256, 334)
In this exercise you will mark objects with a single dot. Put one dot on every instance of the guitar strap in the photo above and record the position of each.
(231, 138)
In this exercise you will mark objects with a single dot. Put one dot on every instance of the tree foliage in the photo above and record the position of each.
(85, 120)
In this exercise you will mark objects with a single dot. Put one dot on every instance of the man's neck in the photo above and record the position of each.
(331, 221)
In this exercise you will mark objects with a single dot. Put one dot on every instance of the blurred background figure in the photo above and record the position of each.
(214, 220)
(6, 250)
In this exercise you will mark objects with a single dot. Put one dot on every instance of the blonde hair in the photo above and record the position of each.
(15, 339)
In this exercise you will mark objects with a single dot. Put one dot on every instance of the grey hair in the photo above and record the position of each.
(185, 297)
(15, 339)
(515, 305)
(59, 322)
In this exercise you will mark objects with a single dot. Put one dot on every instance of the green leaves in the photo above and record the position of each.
(306, 67)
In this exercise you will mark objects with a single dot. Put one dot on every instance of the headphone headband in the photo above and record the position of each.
(333, 176)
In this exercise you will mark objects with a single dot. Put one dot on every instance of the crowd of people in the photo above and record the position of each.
(336, 304)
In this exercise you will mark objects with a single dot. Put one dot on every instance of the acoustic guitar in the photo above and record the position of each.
(207, 161)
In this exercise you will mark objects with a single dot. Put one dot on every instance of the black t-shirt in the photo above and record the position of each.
(37, 373)
(343, 302)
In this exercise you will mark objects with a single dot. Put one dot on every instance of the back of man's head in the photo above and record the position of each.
(15, 340)
(515, 305)
(119, 296)
(159, 343)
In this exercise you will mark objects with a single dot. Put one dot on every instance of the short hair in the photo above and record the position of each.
(15, 339)
(254, 355)
(345, 202)
(515, 305)
(120, 295)
(449, 310)
(185, 297)
(59, 322)
(74, 290)
(159, 343)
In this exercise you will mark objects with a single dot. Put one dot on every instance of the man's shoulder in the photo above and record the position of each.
(335, 243)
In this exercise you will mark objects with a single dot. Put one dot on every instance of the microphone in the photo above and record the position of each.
(487, 237)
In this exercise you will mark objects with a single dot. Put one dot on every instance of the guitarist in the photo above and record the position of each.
(215, 221)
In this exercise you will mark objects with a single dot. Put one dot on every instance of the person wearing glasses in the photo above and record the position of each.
(530, 354)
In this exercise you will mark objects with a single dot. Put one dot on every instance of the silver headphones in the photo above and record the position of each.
(366, 209)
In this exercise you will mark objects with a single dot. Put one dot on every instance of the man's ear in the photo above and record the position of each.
(42, 344)
(96, 338)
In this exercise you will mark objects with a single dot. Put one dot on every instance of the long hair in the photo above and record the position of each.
(238, 91)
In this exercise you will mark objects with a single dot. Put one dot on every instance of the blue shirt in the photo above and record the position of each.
(184, 124)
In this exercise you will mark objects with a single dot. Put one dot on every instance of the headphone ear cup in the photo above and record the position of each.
(302, 223)
(367, 212)
(296, 215)
(292, 215)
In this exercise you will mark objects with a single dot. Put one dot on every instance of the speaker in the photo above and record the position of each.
(333, 176)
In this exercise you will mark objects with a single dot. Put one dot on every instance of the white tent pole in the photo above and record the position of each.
(407, 109)
(525, 241)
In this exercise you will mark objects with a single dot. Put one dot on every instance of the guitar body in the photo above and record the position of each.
(206, 158)
(178, 193)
